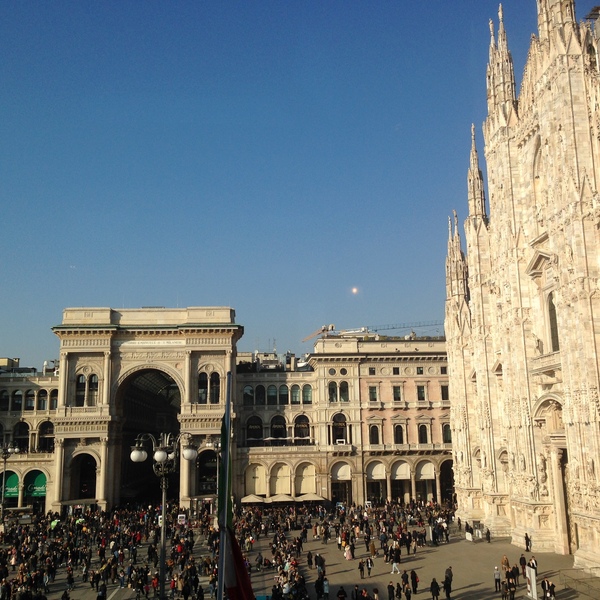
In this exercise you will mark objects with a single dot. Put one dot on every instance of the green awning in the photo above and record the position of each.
(35, 484)
(11, 487)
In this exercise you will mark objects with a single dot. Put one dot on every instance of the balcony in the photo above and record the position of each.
(547, 368)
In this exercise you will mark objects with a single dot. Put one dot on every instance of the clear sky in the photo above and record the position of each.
(269, 156)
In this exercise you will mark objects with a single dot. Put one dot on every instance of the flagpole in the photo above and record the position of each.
(224, 492)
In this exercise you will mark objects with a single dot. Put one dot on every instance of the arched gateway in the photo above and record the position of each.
(132, 371)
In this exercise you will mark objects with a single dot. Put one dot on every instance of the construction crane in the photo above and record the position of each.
(322, 329)
(410, 326)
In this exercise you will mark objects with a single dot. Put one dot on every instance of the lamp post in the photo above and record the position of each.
(7, 450)
(165, 451)
(216, 446)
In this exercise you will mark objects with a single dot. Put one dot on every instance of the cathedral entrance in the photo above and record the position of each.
(148, 401)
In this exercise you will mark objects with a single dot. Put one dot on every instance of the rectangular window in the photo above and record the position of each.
(371, 370)
(419, 370)
(421, 393)
(444, 370)
(373, 393)
(445, 393)
(397, 391)
(396, 370)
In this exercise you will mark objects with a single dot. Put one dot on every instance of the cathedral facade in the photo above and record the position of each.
(523, 300)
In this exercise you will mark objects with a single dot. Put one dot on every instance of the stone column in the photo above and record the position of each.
(388, 483)
(562, 533)
(107, 380)
(102, 472)
(187, 387)
(59, 452)
(184, 480)
(413, 486)
(62, 381)
(20, 501)
(438, 490)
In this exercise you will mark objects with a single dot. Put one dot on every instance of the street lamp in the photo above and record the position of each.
(7, 450)
(165, 451)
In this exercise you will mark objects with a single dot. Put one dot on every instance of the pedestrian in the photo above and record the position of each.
(391, 590)
(355, 594)
(325, 588)
(512, 588)
(414, 581)
(369, 565)
(527, 543)
(505, 565)
(361, 568)
(341, 593)
(497, 579)
(488, 535)
(523, 563)
(434, 589)
(398, 591)
(309, 560)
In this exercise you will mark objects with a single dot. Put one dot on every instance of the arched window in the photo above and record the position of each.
(423, 434)
(344, 395)
(398, 434)
(307, 394)
(17, 401)
(260, 395)
(21, 436)
(301, 430)
(339, 431)
(284, 395)
(554, 341)
(46, 438)
(446, 433)
(215, 388)
(53, 399)
(248, 395)
(29, 400)
(4, 401)
(93, 390)
(80, 390)
(373, 434)
(332, 391)
(278, 431)
(271, 395)
(254, 431)
(42, 400)
(295, 394)
(203, 388)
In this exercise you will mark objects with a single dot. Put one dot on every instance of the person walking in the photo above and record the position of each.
(414, 581)
(527, 543)
(391, 590)
(434, 589)
(497, 579)
(369, 565)
(361, 568)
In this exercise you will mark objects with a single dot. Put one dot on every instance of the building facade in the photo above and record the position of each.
(362, 418)
(523, 303)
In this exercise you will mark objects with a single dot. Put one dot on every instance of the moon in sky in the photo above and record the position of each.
(354, 291)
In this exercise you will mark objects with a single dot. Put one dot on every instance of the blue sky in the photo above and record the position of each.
(268, 156)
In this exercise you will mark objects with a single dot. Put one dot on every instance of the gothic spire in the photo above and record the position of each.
(554, 14)
(475, 183)
(500, 71)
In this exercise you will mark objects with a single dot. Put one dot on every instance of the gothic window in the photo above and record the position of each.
(29, 400)
(203, 388)
(554, 341)
(42, 400)
(339, 429)
(4, 401)
(295, 394)
(21, 436)
(284, 395)
(373, 434)
(17, 401)
(423, 434)
(46, 438)
(307, 394)
(398, 434)
(80, 390)
(301, 430)
(278, 430)
(254, 431)
(248, 396)
(92, 390)
(446, 433)
(215, 388)
(53, 399)
(344, 395)
(272, 395)
(261, 395)
(332, 391)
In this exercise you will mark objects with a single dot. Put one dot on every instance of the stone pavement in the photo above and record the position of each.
(472, 564)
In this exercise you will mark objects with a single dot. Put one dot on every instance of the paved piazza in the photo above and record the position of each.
(472, 564)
